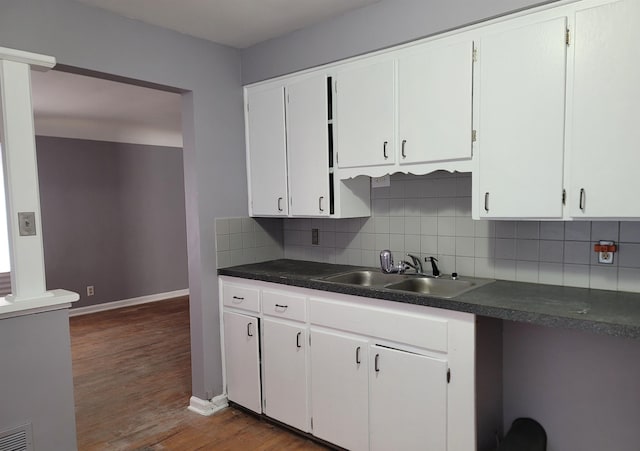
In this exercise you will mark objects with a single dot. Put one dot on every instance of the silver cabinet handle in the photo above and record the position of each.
(358, 355)
(279, 203)
(582, 198)
(237, 300)
(486, 202)
(404, 155)
(281, 308)
(320, 203)
(377, 366)
(298, 345)
(249, 332)
(384, 150)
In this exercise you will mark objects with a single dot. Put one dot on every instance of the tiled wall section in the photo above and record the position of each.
(248, 240)
(431, 215)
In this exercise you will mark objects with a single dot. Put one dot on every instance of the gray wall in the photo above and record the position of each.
(583, 388)
(214, 165)
(36, 380)
(113, 216)
(377, 26)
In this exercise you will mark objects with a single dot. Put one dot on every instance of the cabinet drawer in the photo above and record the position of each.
(284, 305)
(424, 331)
(241, 297)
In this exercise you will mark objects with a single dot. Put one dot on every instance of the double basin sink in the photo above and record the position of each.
(444, 287)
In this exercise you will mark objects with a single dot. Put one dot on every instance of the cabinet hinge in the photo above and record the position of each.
(564, 197)
(448, 376)
(567, 37)
(474, 55)
(474, 136)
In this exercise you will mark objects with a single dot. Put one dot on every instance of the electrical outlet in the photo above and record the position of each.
(90, 291)
(381, 182)
(605, 257)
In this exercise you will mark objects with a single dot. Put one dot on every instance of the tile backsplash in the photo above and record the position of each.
(248, 240)
(431, 216)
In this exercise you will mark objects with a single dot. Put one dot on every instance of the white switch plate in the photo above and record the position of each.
(381, 182)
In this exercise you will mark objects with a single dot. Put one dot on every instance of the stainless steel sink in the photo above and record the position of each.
(366, 278)
(441, 287)
(444, 288)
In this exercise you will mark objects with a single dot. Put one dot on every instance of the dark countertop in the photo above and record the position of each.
(606, 312)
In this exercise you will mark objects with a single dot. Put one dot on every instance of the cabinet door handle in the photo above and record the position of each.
(582, 196)
(358, 355)
(237, 300)
(249, 331)
(377, 366)
(384, 150)
(279, 203)
(320, 203)
(486, 202)
(298, 345)
(281, 308)
(404, 155)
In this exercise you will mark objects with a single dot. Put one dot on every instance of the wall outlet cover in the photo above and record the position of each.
(381, 182)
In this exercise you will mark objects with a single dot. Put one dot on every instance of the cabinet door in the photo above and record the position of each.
(242, 360)
(408, 401)
(521, 121)
(266, 152)
(339, 389)
(285, 376)
(435, 103)
(603, 164)
(308, 147)
(365, 114)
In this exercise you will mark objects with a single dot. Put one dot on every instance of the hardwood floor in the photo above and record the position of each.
(132, 383)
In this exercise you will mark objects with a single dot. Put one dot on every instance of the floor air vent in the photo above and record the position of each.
(16, 439)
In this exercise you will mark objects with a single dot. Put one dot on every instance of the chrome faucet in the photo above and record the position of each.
(388, 266)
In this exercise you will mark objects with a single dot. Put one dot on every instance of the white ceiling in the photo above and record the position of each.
(237, 23)
(76, 106)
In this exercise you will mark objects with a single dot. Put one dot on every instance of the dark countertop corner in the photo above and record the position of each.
(607, 312)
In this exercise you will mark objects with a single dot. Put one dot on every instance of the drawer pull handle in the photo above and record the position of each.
(279, 203)
(298, 345)
(582, 199)
(358, 355)
(384, 150)
(486, 202)
(237, 299)
(320, 203)
(249, 331)
(404, 142)
(281, 308)
(377, 365)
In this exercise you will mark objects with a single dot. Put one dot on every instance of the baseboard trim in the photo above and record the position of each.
(128, 302)
(207, 408)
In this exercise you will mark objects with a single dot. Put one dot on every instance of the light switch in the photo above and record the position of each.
(27, 223)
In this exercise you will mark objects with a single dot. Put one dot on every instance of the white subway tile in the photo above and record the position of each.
(382, 241)
(412, 225)
(396, 243)
(629, 232)
(527, 271)
(505, 269)
(429, 245)
(505, 248)
(484, 247)
(551, 273)
(446, 245)
(605, 230)
(576, 275)
(577, 231)
(368, 241)
(577, 252)
(396, 225)
(412, 243)
(505, 229)
(629, 255)
(222, 226)
(396, 207)
(430, 206)
(235, 225)
(447, 206)
(429, 225)
(465, 246)
(463, 206)
(222, 243)
(483, 267)
(551, 251)
(465, 226)
(485, 228)
(528, 230)
(527, 250)
(446, 226)
(465, 266)
(380, 207)
(382, 224)
(629, 279)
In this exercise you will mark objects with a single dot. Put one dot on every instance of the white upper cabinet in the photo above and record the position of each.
(365, 105)
(266, 146)
(290, 152)
(521, 95)
(406, 110)
(435, 85)
(603, 125)
(308, 147)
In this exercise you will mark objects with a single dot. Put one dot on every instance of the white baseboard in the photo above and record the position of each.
(206, 407)
(127, 302)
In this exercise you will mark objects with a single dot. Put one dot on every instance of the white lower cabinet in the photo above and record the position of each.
(242, 360)
(339, 388)
(363, 374)
(285, 372)
(408, 400)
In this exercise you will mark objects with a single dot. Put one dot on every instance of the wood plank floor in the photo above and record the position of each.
(132, 383)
